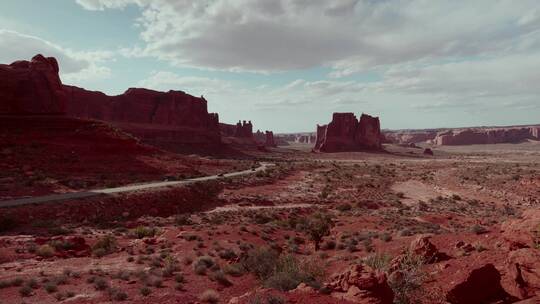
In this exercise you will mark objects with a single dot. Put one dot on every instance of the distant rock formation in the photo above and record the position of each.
(31, 87)
(409, 136)
(242, 129)
(162, 118)
(266, 138)
(474, 136)
(346, 133)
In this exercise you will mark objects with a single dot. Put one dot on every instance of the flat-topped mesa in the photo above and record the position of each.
(346, 133)
(479, 136)
(142, 106)
(31, 87)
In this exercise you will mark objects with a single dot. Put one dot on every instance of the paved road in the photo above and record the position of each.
(98, 192)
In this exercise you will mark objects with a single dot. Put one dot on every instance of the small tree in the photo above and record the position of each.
(317, 227)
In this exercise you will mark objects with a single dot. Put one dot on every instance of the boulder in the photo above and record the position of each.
(428, 151)
(361, 284)
(523, 232)
(346, 133)
(523, 266)
(478, 285)
(31, 87)
(423, 247)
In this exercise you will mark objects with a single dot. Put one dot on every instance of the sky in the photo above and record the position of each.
(287, 65)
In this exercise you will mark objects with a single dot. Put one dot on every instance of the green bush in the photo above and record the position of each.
(142, 231)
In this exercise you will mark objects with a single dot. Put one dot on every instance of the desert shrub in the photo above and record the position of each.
(104, 246)
(50, 287)
(234, 270)
(408, 286)
(317, 226)
(45, 251)
(378, 261)
(268, 299)
(101, 284)
(170, 266)
(117, 295)
(227, 254)
(344, 207)
(143, 231)
(289, 272)
(25, 291)
(202, 264)
(329, 245)
(220, 277)
(261, 262)
(145, 291)
(477, 229)
(209, 296)
(182, 220)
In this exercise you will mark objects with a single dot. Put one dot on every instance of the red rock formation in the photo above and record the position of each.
(524, 270)
(242, 129)
(163, 118)
(474, 136)
(266, 139)
(428, 151)
(31, 87)
(410, 136)
(346, 133)
(361, 284)
(480, 285)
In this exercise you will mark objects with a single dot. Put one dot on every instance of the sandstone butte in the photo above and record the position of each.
(31, 87)
(346, 133)
(167, 119)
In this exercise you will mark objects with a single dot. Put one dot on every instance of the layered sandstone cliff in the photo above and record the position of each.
(346, 133)
(166, 119)
(31, 87)
(480, 136)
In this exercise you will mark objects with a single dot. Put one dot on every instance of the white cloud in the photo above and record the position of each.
(349, 36)
(74, 66)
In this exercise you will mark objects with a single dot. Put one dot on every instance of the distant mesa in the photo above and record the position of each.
(487, 136)
(31, 87)
(346, 133)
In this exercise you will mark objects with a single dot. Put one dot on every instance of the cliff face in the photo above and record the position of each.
(346, 133)
(410, 137)
(242, 129)
(31, 87)
(266, 138)
(487, 136)
(161, 118)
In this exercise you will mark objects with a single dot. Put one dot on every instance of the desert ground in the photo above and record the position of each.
(461, 226)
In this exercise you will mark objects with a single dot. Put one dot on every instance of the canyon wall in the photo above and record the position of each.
(410, 136)
(166, 119)
(31, 87)
(479, 136)
(346, 133)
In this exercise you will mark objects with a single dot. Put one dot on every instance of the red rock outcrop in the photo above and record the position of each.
(361, 284)
(31, 87)
(523, 266)
(266, 139)
(479, 136)
(523, 232)
(347, 133)
(410, 136)
(162, 118)
(242, 129)
(480, 285)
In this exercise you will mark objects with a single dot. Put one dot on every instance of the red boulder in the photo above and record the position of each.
(361, 284)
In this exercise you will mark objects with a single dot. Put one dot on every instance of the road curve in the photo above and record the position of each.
(91, 193)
